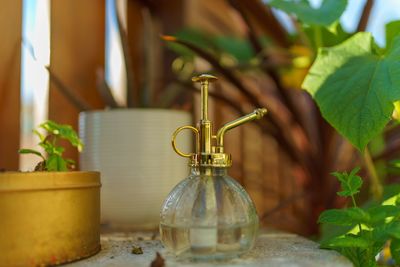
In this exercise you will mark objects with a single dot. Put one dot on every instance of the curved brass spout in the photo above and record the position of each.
(255, 115)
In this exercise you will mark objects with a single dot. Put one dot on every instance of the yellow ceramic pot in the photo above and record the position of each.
(48, 218)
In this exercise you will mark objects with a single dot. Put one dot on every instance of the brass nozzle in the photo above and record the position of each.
(255, 115)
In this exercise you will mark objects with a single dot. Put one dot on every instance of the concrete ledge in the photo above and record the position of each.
(271, 249)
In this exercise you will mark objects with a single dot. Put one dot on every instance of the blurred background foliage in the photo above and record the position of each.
(266, 65)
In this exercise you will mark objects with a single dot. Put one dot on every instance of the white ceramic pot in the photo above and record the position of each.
(132, 150)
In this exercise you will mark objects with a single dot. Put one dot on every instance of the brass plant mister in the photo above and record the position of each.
(209, 215)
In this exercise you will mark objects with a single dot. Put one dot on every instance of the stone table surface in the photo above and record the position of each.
(271, 249)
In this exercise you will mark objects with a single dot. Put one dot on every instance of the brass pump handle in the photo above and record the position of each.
(177, 131)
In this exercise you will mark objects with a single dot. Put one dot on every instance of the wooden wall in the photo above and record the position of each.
(10, 66)
(77, 51)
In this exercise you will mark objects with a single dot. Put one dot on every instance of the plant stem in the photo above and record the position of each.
(365, 15)
(354, 201)
(376, 185)
(355, 206)
(318, 37)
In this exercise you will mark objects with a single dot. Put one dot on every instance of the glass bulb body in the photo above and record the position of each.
(208, 216)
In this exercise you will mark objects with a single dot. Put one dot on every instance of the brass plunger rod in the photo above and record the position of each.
(204, 100)
(255, 115)
(205, 124)
(205, 127)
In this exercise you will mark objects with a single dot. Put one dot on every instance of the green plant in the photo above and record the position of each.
(53, 160)
(354, 81)
(365, 230)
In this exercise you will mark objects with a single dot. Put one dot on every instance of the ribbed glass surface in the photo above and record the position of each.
(208, 216)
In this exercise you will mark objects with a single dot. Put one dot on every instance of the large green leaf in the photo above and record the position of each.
(350, 216)
(392, 30)
(325, 15)
(355, 86)
(347, 241)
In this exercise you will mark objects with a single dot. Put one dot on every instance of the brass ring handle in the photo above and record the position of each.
(177, 131)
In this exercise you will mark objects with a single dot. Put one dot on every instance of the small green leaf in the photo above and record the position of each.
(393, 230)
(59, 150)
(385, 231)
(328, 37)
(395, 163)
(396, 112)
(395, 250)
(329, 11)
(350, 183)
(360, 257)
(355, 86)
(378, 214)
(30, 151)
(350, 216)
(47, 146)
(347, 241)
(56, 163)
(70, 163)
(38, 134)
(391, 193)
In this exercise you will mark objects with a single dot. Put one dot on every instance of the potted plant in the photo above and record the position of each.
(52, 215)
